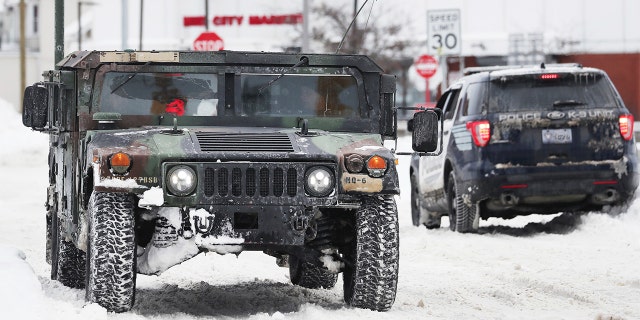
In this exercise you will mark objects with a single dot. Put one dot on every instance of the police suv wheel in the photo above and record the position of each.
(415, 201)
(462, 217)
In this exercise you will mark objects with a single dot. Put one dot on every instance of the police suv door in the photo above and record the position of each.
(431, 168)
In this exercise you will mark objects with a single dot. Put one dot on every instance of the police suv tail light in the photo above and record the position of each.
(626, 126)
(480, 131)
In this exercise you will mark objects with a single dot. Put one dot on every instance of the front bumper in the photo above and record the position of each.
(249, 226)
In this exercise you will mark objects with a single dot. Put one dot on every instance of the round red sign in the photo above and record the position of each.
(208, 41)
(426, 66)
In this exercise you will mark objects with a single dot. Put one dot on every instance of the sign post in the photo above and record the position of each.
(426, 66)
(208, 41)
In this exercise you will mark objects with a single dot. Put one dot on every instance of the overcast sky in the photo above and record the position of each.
(566, 25)
(582, 25)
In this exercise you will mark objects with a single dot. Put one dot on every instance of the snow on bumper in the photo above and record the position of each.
(172, 243)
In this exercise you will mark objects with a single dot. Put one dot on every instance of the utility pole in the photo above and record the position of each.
(59, 31)
(23, 52)
(125, 24)
(206, 15)
(141, 16)
(305, 25)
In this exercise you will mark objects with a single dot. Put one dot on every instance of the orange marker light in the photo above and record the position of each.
(120, 162)
(376, 162)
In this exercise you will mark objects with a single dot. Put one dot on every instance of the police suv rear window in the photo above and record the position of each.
(550, 91)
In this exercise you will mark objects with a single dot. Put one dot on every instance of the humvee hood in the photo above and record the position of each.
(230, 143)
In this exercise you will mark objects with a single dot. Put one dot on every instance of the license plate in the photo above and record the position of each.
(556, 136)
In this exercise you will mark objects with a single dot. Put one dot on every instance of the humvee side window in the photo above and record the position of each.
(298, 95)
(188, 94)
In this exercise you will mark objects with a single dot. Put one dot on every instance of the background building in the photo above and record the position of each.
(604, 34)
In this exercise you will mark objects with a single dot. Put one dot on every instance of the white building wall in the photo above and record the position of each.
(568, 26)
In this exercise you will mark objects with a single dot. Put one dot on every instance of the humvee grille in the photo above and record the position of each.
(239, 180)
(274, 142)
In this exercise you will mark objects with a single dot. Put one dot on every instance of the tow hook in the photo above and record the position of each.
(299, 223)
(185, 230)
(205, 227)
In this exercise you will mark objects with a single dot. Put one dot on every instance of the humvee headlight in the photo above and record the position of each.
(120, 162)
(181, 180)
(319, 181)
(354, 163)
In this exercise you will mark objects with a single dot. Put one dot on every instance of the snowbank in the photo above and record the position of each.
(20, 291)
(536, 267)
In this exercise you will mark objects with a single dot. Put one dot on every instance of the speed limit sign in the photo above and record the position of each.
(443, 32)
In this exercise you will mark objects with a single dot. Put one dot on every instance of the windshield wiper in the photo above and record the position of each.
(303, 61)
(566, 103)
(130, 77)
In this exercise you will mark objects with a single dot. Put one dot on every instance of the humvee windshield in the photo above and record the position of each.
(262, 95)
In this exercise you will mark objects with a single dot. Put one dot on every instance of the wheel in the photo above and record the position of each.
(49, 242)
(462, 217)
(371, 260)
(432, 220)
(69, 261)
(420, 215)
(416, 209)
(111, 258)
(310, 276)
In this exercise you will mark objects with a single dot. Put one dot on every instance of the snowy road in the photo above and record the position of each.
(537, 267)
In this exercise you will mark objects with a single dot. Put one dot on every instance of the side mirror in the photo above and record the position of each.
(34, 107)
(388, 89)
(425, 131)
(410, 125)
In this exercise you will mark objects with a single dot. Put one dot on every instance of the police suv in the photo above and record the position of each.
(518, 141)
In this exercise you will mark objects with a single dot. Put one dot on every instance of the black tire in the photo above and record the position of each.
(371, 261)
(310, 276)
(433, 220)
(49, 235)
(415, 201)
(69, 261)
(420, 215)
(111, 254)
(462, 217)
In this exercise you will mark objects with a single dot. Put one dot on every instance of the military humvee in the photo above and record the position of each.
(158, 156)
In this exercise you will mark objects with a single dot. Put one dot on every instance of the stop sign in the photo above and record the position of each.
(426, 66)
(208, 41)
